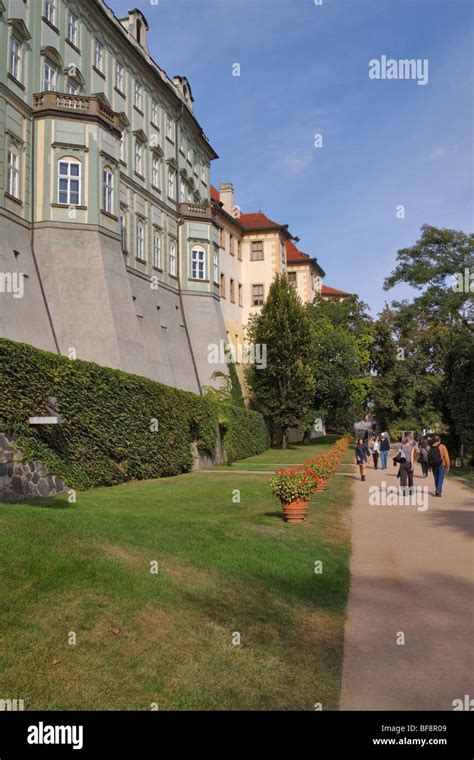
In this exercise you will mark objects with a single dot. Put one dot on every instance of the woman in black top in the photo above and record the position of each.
(361, 452)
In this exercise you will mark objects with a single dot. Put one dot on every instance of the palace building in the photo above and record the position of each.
(127, 255)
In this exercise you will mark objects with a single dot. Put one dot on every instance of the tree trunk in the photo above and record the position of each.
(284, 433)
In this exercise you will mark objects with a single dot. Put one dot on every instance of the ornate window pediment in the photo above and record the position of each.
(172, 164)
(140, 135)
(52, 55)
(19, 29)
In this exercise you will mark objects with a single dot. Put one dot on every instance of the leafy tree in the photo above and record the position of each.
(431, 266)
(343, 335)
(283, 390)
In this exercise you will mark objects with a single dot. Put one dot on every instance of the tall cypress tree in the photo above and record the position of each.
(284, 389)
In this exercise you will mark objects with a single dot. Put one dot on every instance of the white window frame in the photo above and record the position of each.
(50, 77)
(139, 157)
(119, 84)
(172, 258)
(258, 285)
(198, 263)
(140, 240)
(157, 249)
(72, 88)
(73, 28)
(99, 56)
(108, 190)
(155, 172)
(215, 266)
(14, 63)
(50, 11)
(70, 178)
(122, 147)
(13, 178)
(123, 231)
(138, 98)
(169, 127)
(171, 183)
(182, 190)
(154, 113)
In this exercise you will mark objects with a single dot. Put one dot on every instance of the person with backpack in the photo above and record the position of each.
(361, 454)
(439, 463)
(384, 449)
(407, 453)
(423, 458)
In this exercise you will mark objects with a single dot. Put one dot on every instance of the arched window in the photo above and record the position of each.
(69, 182)
(198, 263)
(13, 180)
(108, 190)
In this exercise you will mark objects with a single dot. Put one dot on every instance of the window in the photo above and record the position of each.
(122, 147)
(256, 254)
(239, 250)
(123, 232)
(140, 248)
(154, 113)
(240, 294)
(182, 191)
(50, 10)
(72, 88)
(215, 263)
(257, 295)
(155, 172)
(72, 29)
(15, 58)
(138, 96)
(49, 77)
(157, 249)
(139, 158)
(198, 260)
(204, 173)
(99, 56)
(292, 278)
(69, 182)
(231, 245)
(13, 180)
(190, 154)
(172, 258)
(222, 285)
(119, 76)
(222, 237)
(169, 127)
(232, 291)
(108, 190)
(171, 183)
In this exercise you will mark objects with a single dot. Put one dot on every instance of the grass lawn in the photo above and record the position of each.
(467, 473)
(224, 567)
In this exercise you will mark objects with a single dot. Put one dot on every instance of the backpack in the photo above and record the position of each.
(434, 457)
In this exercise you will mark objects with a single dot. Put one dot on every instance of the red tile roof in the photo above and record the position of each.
(293, 254)
(215, 194)
(327, 291)
(259, 221)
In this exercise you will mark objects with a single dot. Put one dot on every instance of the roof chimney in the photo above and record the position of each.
(226, 192)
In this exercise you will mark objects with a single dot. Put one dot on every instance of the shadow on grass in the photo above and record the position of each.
(55, 502)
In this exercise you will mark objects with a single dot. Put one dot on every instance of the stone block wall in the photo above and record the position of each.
(20, 479)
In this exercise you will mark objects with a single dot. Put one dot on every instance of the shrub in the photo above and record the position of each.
(106, 435)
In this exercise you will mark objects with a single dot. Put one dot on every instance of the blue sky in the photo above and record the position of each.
(304, 70)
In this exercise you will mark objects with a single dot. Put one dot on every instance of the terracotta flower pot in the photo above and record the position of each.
(322, 485)
(295, 511)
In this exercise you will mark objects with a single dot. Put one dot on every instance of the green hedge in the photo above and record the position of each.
(246, 435)
(105, 437)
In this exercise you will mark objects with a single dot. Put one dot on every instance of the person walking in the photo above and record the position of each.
(439, 463)
(361, 457)
(384, 449)
(407, 456)
(376, 451)
(423, 458)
